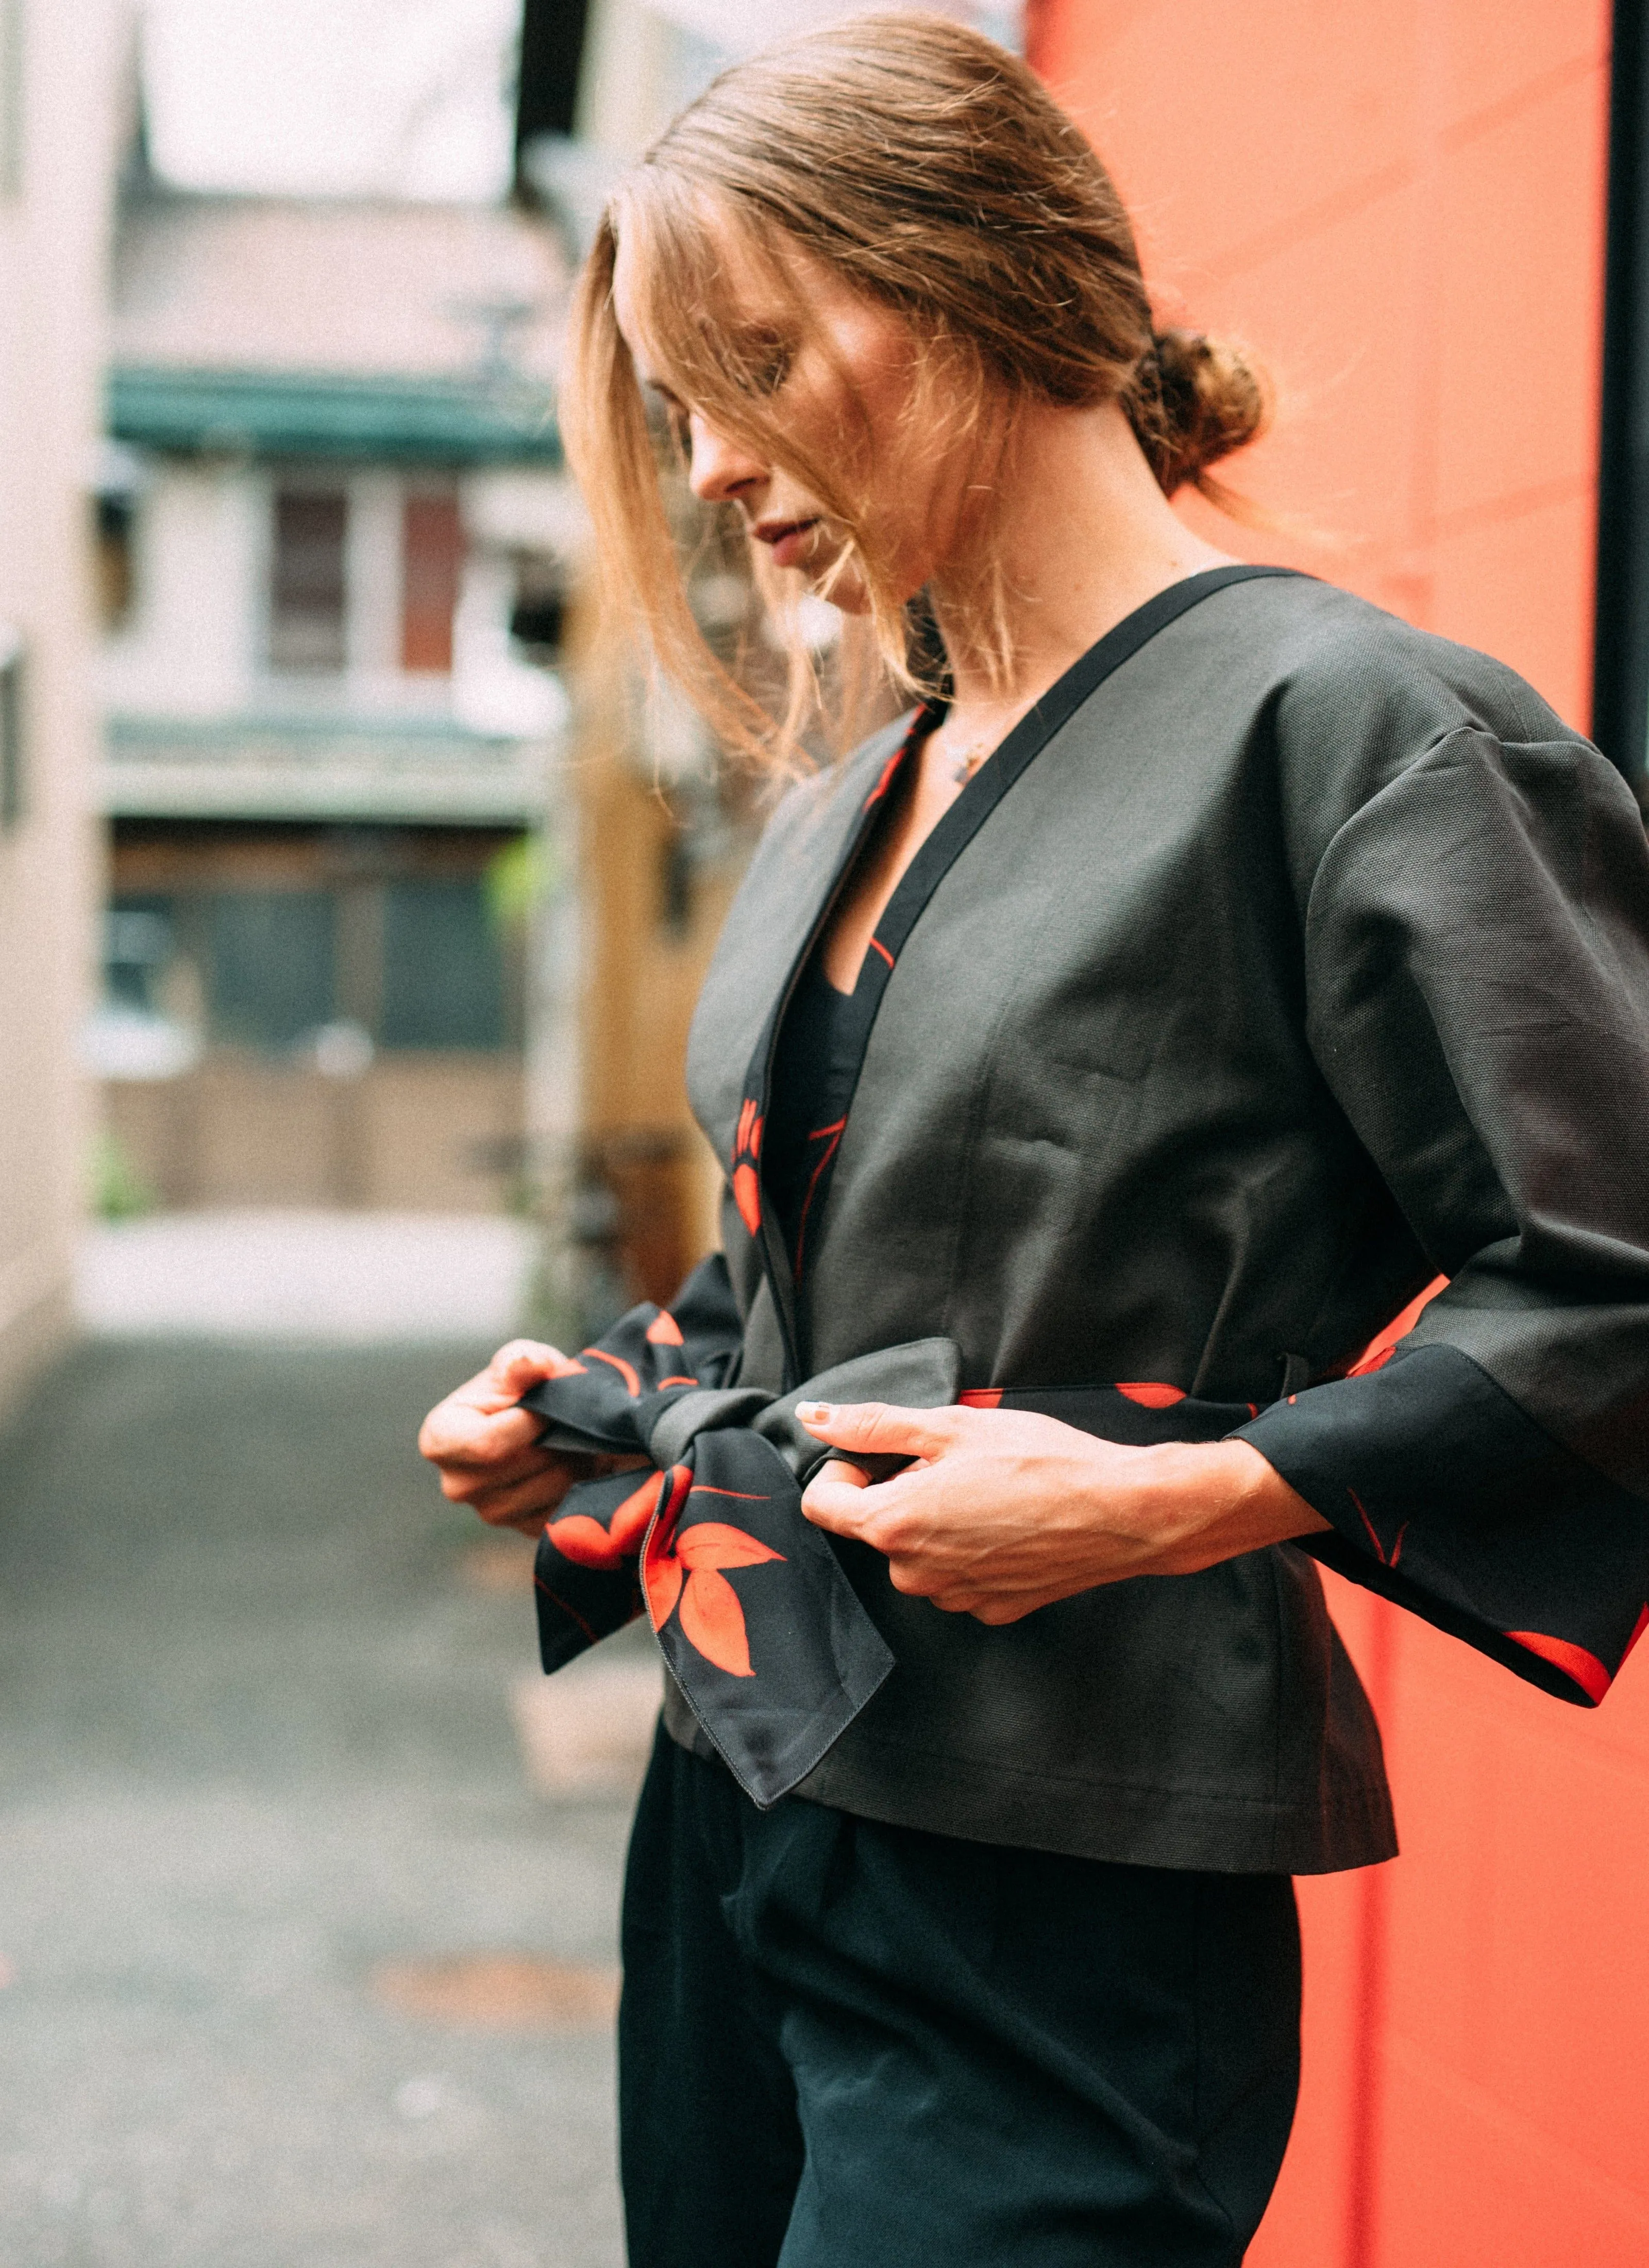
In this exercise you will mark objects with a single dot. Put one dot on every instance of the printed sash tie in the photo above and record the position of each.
(753, 1612)
(757, 1622)
(777, 1654)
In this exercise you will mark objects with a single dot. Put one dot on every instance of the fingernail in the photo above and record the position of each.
(814, 1413)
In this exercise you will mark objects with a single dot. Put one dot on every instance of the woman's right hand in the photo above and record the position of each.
(485, 1448)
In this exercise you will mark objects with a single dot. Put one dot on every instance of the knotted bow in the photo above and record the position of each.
(756, 1620)
(752, 1611)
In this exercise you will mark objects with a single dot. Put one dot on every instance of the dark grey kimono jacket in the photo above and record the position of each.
(1282, 960)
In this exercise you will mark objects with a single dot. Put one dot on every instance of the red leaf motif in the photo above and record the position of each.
(684, 1566)
(661, 1572)
(1587, 1671)
(1381, 1349)
(712, 1620)
(708, 1543)
(664, 1330)
(889, 770)
(1150, 1396)
(588, 1544)
(586, 1541)
(629, 1524)
(663, 1579)
(746, 1194)
(626, 1370)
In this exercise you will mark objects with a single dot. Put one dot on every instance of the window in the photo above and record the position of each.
(432, 551)
(114, 559)
(11, 727)
(270, 966)
(537, 617)
(11, 98)
(139, 944)
(295, 943)
(443, 970)
(307, 594)
(551, 57)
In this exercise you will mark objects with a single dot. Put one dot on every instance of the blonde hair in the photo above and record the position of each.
(930, 171)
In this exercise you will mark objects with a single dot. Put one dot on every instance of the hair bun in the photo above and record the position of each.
(1192, 401)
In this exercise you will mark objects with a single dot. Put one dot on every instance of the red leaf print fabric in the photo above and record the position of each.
(587, 1543)
(746, 1166)
(684, 1567)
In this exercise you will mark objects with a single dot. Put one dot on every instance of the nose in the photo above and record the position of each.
(720, 471)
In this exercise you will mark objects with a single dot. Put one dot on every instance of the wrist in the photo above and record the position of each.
(1205, 1502)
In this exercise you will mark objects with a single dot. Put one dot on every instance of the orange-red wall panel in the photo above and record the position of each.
(1401, 209)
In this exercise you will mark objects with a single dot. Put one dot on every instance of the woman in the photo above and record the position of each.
(1216, 973)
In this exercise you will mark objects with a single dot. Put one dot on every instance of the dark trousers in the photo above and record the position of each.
(848, 2045)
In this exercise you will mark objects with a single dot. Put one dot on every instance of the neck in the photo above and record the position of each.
(1079, 537)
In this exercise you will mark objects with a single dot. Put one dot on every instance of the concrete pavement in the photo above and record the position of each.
(256, 1744)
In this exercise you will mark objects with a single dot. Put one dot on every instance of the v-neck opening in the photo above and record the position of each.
(940, 848)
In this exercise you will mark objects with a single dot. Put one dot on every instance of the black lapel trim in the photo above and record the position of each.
(744, 1172)
(921, 879)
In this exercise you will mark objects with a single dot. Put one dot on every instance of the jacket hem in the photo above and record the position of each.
(1188, 1831)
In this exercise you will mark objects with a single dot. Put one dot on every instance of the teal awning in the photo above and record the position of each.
(486, 420)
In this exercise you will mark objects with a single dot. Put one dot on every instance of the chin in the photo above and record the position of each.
(845, 593)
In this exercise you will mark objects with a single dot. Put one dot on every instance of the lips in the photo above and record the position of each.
(789, 539)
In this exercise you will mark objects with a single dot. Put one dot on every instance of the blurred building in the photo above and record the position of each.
(332, 559)
(58, 74)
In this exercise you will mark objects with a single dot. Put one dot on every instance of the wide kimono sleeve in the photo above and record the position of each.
(1476, 958)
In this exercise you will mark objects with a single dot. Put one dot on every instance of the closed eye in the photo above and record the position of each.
(761, 360)
(663, 409)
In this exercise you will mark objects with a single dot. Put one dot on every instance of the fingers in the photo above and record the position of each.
(456, 1433)
(478, 1423)
(985, 1608)
(841, 1499)
(891, 1519)
(466, 1483)
(837, 1473)
(522, 1363)
(883, 1427)
(524, 1504)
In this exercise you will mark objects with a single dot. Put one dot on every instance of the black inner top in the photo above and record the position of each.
(814, 1075)
(816, 1059)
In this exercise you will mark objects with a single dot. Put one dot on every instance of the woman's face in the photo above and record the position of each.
(841, 393)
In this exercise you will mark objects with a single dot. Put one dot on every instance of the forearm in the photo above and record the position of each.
(1197, 1504)
(1008, 1511)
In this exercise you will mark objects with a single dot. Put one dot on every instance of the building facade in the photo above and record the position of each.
(334, 538)
(58, 75)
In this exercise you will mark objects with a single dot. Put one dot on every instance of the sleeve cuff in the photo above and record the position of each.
(1445, 1496)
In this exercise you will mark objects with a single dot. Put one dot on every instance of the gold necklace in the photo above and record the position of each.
(964, 766)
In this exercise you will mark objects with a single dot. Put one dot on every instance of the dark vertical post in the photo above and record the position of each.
(552, 55)
(11, 730)
(1620, 710)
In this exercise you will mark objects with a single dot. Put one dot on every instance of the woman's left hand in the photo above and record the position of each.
(1007, 1512)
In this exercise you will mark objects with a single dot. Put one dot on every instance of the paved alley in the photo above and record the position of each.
(273, 1874)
